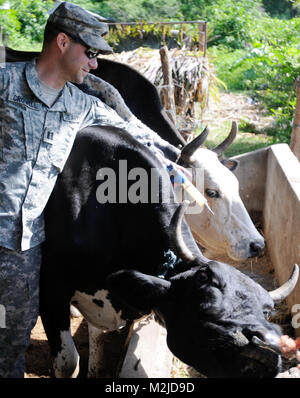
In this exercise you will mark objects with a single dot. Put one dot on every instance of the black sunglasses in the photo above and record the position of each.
(92, 53)
(89, 52)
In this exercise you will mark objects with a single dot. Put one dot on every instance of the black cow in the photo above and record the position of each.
(108, 260)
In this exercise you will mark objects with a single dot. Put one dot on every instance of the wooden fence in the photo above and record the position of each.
(202, 29)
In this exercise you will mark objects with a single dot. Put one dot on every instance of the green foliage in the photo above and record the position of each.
(135, 10)
(9, 23)
(232, 23)
(23, 24)
(252, 51)
(280, 9)
(134, 36)
(32, 15)
(267, 70)
(126, 38)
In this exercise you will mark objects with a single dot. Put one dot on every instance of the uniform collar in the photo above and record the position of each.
(62, 102)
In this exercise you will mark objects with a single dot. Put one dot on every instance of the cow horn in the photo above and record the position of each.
(189, 149)
(221, 148)
(286, 289)
(176, 234)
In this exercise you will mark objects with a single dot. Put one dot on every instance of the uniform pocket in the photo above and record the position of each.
(71, 118)
(60, 148)
(62, 140)
(15, 135)
(52, 145)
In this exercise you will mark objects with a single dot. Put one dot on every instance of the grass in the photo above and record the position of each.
(224, 63)
(244, 142)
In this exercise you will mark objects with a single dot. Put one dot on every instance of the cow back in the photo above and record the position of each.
(121, 233)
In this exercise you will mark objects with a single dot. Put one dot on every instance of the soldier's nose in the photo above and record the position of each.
(93, 63)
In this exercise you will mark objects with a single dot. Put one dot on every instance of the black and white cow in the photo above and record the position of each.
(229, 230)
(121, 259)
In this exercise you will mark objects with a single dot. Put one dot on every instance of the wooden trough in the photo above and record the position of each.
(270, 188)
(270, 185)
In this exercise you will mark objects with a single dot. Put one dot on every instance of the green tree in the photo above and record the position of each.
(196, 9)
(23, 23)
(233, 22)
(32, 15)
(8, 21)
(124, 11)
(279, 9)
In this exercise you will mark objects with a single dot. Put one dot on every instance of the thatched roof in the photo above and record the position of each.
(190, 72)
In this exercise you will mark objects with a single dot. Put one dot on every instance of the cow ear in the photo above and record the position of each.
(231, 164)
(138, 290)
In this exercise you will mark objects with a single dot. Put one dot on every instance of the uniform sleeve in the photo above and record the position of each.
(170, 151)
(109, 94)
(113, 111)
(103, 115)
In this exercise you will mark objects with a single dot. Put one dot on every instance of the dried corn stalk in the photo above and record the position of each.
(190, 72)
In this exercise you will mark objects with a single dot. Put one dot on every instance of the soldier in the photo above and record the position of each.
(40, 113)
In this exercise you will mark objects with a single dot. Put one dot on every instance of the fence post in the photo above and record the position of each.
(295, 138)
(202, 37)
(167, 92)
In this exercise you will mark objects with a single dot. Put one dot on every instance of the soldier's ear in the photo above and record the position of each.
(137, 290)
(62, 41)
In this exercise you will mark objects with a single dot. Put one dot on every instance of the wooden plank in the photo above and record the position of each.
(148, 355)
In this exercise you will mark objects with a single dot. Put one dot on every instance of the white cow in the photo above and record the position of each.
(230, 229)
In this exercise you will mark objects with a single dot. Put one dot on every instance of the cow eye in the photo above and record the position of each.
(212, 193)
(219, 284)
(215, 283)
(202, 277)
(267, 315)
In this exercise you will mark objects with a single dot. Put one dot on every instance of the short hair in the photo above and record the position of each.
(50, 33)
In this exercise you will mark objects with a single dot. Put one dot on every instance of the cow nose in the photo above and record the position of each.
(263, 338)
(256, 248)
(249, 334)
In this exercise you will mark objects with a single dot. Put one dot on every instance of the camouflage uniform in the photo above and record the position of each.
(35, 141)
(19, 285)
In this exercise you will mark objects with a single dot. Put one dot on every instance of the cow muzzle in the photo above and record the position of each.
(246, 248)
(256, 247)
(272, 346)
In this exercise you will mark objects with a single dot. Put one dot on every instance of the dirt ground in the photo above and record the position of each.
(234, 106)
(38, 355)
(38, 363)
(231, 106)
